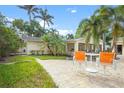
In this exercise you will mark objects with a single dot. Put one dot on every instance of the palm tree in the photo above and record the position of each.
(96, 26)
(104, 20)
(90, 30)
(47, 19)
(104, 13)
(31, 9)
(117, 28)
(111, 20)
(54, 42)
(120, 10)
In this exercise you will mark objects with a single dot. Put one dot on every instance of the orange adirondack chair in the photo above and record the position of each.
(106, 58)
(79, 57)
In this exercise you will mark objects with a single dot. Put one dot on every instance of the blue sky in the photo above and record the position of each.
(66, 17)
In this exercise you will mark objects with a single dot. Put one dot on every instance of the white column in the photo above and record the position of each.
(66, 47)
(123, 49)
(92, 46)
(76, 46)
(102, 46)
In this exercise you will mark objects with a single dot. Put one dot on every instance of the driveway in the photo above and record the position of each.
(67, 75)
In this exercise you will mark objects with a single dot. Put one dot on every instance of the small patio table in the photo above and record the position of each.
(93, 69)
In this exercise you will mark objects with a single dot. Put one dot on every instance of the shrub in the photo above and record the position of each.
(36, 52)
(9, 41)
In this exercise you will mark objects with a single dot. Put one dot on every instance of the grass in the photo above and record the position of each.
(20, 59)
(47, 57)
(24, 74)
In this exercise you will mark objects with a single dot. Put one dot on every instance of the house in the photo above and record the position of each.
(120, 45)
(36, 44)
(32, 44)
(80, 45)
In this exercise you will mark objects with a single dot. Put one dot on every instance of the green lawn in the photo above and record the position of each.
(24, 73)
(46, 57)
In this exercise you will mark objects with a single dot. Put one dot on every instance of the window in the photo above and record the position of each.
(81, 47)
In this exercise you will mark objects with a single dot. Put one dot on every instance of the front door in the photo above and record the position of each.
(119, 49)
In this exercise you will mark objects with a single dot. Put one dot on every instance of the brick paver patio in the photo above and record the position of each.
(66, 75)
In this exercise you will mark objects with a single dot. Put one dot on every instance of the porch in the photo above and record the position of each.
(80, 45)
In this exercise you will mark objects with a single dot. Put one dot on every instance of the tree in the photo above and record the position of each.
(115, 34)
(37, 29)
(31, 9)
(117, 29)
(80, 28)
(18, 25)
(120, 10)
(9, 41)
(105, 20)
(46, 41)
(34, 29)
(43, 15)
(104, 14)
(89, 29)
(111, 21)
(54, 42)
(69, 36)
(3, 19)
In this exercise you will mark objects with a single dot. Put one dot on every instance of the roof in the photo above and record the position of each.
(74, 40)
(30, 38)
(80, 40)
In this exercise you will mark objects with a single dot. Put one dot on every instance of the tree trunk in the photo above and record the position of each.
(114, 49)
(104, 40)
(30, 18)
(114, 46)
(44, 25)
(50, 50)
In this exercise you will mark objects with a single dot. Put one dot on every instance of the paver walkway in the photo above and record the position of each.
(66, 75)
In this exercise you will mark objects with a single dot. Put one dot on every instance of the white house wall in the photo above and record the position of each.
(21, 50)
(33, 46)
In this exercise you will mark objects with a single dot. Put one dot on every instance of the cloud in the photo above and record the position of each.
(10, 19)
(54, 26)
(88, 17)
(42, 24)
(61, 31)
(64, 31)
(46, 26)
(71, 10)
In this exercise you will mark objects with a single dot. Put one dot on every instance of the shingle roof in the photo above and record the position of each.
(74, 40)
(30, 38)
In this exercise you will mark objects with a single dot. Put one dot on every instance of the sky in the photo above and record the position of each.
(66, 17)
